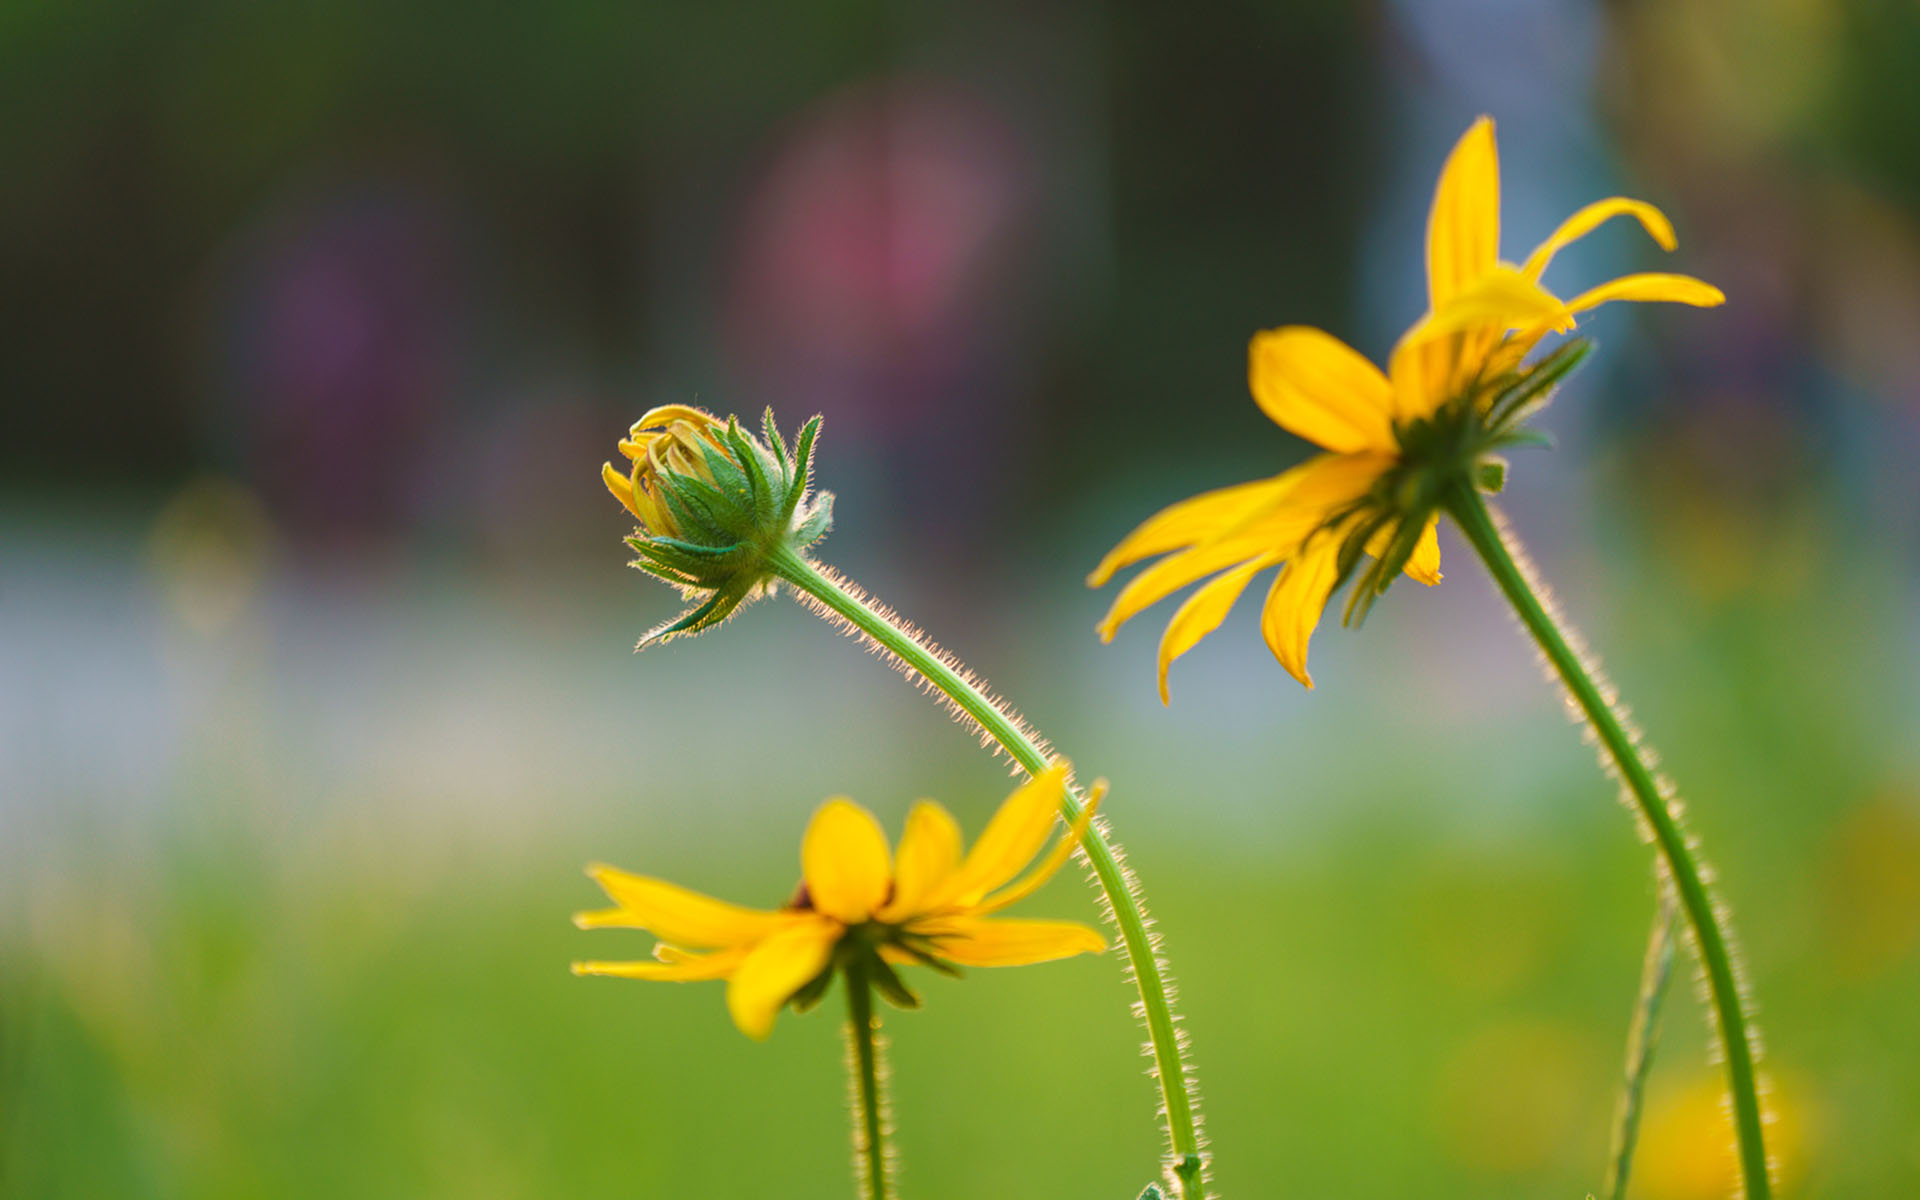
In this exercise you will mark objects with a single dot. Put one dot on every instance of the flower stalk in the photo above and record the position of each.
(1124, 907)
(1706, 923)
(872, 1160)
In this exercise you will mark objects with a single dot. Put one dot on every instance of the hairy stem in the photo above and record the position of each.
(871, 1161)
(1643, 1035)
(1705, 921)
(1124, 905)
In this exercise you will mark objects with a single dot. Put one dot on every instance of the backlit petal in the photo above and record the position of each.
(1011, 839)
(677, 969)
(1051, 864)
(1463, 229)
(621, 487)
(1295, 601)
(1203, 612)
(1581, 223)
(1187, 522)
(929, 854)
(777, 968)
(1314, 385)
(1424, 563)
(984, 942)
(672, 913)
(1300, 501)
(845, 861)
(1650, 286)
(1447, 348)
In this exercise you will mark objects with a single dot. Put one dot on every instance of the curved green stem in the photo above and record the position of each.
(1704, 921)
(1643, 1035)
(1116, 881)
(870, 1116)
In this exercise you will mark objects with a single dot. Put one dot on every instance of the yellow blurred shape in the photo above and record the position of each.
(209, 548)
(1509, 1097)
(1872, 887)
(1686, 1148)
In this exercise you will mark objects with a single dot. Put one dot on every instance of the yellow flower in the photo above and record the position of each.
(926, 904)
(1455, 388)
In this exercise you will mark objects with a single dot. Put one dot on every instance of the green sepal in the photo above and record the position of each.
(888, 983)
(819, 520)
(1522, 437)
(802, 470)
(1490, 475)
(1153, 1192)
(813, 991)
(1531, 390)
(772, 431)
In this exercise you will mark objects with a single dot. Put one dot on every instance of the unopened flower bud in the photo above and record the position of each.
(716, 505)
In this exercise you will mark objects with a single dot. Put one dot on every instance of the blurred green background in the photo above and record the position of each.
(315, 692)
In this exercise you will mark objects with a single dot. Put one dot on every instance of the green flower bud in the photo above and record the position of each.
(715, 504)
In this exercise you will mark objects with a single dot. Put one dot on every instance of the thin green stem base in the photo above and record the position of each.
(839, 599)
(1706, 923)
(872, 1164)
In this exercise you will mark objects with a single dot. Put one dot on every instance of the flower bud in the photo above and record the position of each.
(715, 505)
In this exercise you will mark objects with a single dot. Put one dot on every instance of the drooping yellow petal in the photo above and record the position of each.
(1581, 223)
(1314, 385)
(1051, 864)
(1650, 287)
(1424, 564)
(1188, 522)
(929, 854)
(845, 861)
(621, 487)
(1171, 574)
(1463, 229)
(1203, 612)
(677, 968)
(984, 942)
(672, 913)
(1011, 839)
(1300, 501)
(777, 968)
(1295, 601)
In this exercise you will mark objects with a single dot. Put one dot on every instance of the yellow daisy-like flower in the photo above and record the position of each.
(1456, 387)
(927, 904)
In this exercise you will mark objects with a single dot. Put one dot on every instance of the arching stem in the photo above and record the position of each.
(872, 1164)
(1128, 913)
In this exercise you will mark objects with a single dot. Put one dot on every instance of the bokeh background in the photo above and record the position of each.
(315, 683)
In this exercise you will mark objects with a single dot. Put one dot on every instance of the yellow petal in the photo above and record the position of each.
(1171, 574)
(1424, 563)
(1300, 500)
(1051, 864)
(1463, 230)
(1294, 603)
(1314, 385)
(981, 942)
(777, 968)
(666, 414)
(682, 968)
(1650, 286)
(929, 855)
(1187, 522)
(621, 487)
(1448, 347)
(1203, 612)
(1581, 223)
(672, 913)
(1012, 838)
(845, 861)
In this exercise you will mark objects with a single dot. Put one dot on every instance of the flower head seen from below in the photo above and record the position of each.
(715, 505)
(861, 907)
(1457, 389)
